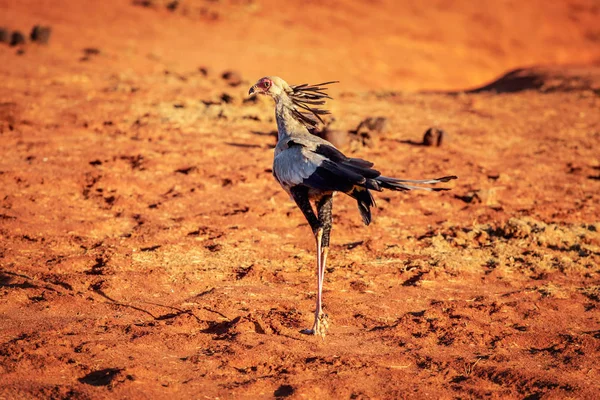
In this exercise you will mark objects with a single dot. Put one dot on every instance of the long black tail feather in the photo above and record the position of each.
(401, 184)
(365, 200)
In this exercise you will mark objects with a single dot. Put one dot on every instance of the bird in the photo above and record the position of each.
(311, 170)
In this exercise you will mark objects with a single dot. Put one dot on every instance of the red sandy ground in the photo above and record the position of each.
(146, 251)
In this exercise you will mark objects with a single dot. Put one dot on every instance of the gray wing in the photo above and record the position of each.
(321, 167)
(295, 165)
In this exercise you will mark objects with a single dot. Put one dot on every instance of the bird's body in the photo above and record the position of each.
(311, 169)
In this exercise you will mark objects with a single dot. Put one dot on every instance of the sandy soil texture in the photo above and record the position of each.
(147, 252)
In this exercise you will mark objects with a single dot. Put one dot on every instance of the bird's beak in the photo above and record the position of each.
(252, 91)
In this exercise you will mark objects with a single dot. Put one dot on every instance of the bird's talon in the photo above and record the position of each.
(323, 325)
(320, 327)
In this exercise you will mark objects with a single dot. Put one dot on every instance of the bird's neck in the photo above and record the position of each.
(287, 124)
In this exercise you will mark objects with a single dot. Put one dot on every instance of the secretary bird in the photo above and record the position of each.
(312, 169)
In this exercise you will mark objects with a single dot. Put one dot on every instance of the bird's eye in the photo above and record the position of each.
(267, 84)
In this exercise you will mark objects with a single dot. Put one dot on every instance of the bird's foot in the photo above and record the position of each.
(320, 327)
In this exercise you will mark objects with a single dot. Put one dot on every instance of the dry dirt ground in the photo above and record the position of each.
(147, 252)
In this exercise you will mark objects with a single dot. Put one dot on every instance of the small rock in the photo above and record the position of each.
(233, 78)
(17, 38)
(144, 3)
(172, 6)
(284, 391)
(203, 71)
(91, 51)
(227, 98)
(372, 124)
(366, 128)
(433, 137)
(40, 34)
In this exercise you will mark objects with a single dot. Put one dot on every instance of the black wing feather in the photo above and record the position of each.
(357, 165)
(328, 177)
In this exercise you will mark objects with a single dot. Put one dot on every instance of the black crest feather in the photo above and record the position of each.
(306, 99)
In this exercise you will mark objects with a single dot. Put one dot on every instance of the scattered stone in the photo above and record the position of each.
(367, 127)
(101, 377)
(144, 3)
(372, 124)
(494, 176)
(213, 247)
(88, 52)
(226, 98)
(284, 391)
(91, 51)
(208, 14)
(172, 6)
(40, 34)
(250, 100)
(203, 71)
(151, 248)
(187, 170)
(433, 137)
(233, 78)
(17, 38)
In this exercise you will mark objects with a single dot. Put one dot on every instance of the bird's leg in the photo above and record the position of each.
(317, 328)
(324, 208)
(300, 195)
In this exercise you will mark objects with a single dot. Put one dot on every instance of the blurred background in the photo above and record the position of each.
(374, 45)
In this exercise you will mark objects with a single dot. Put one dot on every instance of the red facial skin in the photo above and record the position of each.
(264, 84)
(262, 87)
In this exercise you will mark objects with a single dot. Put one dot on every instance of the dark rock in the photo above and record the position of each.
(227, 98)
(91, 51)
(233, 78)
(372, 124)
(433, 137)
(101, 377)
(17, 38)
(40, 34)
(144, 3)
(364, 132)
(284, 391)
(203, 71)
(172, 6)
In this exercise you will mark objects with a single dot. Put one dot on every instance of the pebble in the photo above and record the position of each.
(40, 34)
(433, 137)
(233, 78)
(17, 38)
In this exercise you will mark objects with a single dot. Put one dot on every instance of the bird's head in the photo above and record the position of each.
(273, 86)
(303, 100)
